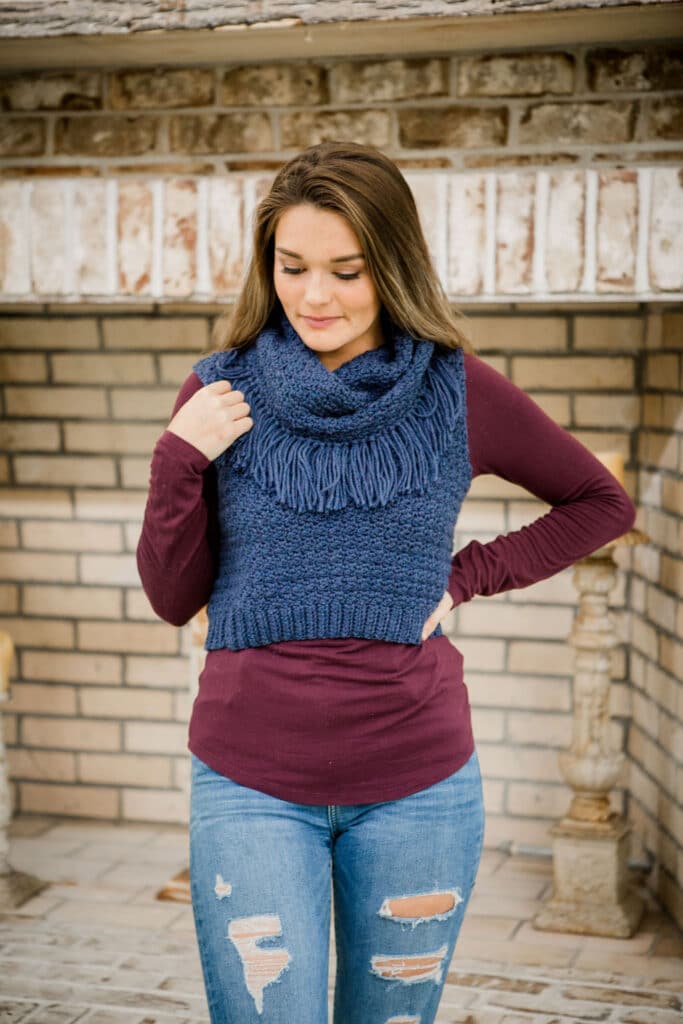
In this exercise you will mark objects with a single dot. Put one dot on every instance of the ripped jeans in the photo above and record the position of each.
(264, 873)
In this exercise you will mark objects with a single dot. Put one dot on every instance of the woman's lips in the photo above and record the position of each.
(320, 322)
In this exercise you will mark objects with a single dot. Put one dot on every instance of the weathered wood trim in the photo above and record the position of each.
(293, 39)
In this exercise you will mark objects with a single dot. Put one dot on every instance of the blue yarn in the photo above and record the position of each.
(328, 491)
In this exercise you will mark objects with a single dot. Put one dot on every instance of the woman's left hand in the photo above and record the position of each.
(440, 612)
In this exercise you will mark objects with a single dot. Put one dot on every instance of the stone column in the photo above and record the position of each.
(592, 894)
(15, 886)
(6, 654)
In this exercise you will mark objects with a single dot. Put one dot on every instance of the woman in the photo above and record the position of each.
(307, 487)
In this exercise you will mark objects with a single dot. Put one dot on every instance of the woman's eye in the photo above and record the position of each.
(342, 277)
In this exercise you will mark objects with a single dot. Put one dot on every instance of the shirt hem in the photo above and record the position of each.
(294, 794)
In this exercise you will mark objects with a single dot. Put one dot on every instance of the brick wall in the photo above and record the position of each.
(655, 736)
(96, 724)
(583, 106)
(557, 172)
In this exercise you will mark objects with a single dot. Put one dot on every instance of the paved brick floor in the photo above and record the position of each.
(97, 947)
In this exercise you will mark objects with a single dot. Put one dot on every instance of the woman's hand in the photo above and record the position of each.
(212, 418)
(440, 612)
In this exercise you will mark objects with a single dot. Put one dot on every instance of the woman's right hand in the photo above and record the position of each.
(212, 418)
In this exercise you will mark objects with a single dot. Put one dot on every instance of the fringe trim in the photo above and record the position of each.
(311, 475)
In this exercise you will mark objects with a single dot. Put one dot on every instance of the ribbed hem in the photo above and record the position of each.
(255, 627)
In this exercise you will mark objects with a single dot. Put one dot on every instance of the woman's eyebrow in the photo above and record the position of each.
(339, 259)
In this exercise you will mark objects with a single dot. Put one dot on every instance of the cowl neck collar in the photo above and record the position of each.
(369, 392)
(374, 428)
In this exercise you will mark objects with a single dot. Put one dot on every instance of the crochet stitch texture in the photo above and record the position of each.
(337, 508)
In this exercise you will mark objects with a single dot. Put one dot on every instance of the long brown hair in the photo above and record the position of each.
(368, 190)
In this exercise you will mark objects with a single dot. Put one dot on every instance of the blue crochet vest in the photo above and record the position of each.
(337, 508)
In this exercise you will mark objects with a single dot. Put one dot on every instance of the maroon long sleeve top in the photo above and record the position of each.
(353, 720)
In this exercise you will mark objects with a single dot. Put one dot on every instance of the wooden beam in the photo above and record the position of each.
(289, 39)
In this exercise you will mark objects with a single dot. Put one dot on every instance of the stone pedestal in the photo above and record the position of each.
(592, 894)
(15, 886)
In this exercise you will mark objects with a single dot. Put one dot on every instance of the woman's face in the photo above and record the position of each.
(321, 279)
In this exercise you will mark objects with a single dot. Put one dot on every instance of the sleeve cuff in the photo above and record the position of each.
(178, 450)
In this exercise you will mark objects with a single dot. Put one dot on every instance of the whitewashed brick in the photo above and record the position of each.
(47, 234)
(514, 232)
(427, 191)
(617, 224)
(135, 234)
(90, 237)
(14, 255)
(226, 233)
(466, 230)
(665, 251)
(565, 231)
(180, 237)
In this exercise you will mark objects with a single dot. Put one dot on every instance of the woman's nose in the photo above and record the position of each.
(317, 289)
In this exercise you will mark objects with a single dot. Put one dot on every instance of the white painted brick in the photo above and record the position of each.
(514, 232)
(565, 231)
(226, 233)
(90, 237)
(466, 229)
(47, 234)
(180, 237)
(14, 254)
(134, 237)
(617, 230)
(666, 232)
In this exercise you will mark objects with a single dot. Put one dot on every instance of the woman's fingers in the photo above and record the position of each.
(442, 609)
